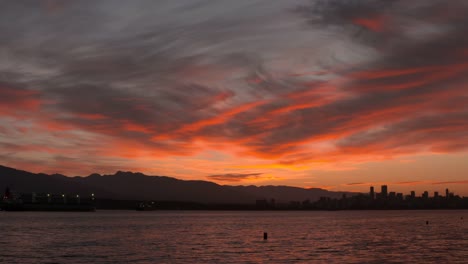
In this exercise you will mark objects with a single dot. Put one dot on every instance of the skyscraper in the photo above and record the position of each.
(384, 191)
(425, 195)
(372, 194)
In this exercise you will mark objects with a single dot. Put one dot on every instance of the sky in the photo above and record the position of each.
(332, 94)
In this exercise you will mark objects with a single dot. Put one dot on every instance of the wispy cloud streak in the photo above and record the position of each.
(290, 83)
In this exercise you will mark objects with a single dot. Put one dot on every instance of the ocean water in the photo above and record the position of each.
(234, 237)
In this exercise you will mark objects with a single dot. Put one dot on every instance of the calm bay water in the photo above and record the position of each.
(234, 237)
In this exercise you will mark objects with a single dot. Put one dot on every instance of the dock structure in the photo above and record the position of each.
(47, 202)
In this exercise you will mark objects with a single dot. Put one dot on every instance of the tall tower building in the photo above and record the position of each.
(372, 194)
(384, 191)
(425, 195)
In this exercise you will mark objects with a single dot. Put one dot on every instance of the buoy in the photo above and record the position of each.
(265, 235)
(427, 222)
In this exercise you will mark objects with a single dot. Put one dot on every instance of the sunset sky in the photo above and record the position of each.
(339, 95)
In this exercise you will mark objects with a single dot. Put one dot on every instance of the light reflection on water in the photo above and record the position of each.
(234, 237)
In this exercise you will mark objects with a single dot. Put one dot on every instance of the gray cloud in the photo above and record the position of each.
(357, 183)
(234, 177)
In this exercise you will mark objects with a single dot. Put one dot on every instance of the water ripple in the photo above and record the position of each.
(234, 237)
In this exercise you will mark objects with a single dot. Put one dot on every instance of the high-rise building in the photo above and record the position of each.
(436, 195)
(447, 193)
(413, 194)
(425, 195)
(384, 191)
(399, 196)
(371, 193)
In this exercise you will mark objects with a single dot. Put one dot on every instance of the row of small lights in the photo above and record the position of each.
(77, 196)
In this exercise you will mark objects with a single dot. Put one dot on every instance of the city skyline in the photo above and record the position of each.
(333, 94)
(127, 190)
(384, 193)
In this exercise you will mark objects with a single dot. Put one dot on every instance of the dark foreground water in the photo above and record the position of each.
(234, 237)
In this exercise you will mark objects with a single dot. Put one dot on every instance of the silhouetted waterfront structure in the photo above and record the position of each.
(368, 201)
(46, 202)
(400, 196)
(384, 191)
(382, 201)
(392, 200)
(147, 206)
(425, 195)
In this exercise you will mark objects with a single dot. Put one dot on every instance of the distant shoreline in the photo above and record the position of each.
(238, 210)
(132, 205)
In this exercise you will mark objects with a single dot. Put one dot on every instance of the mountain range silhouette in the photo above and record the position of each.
(138, 186)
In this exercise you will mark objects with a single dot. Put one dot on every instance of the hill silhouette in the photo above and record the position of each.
(138, 186)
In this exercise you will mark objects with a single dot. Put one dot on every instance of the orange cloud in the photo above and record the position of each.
(219, 119)
(376, 23)
(427, 76)
(377, 74)
(130, 126)
(95, 116)
(450, 182)
(15, 101)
